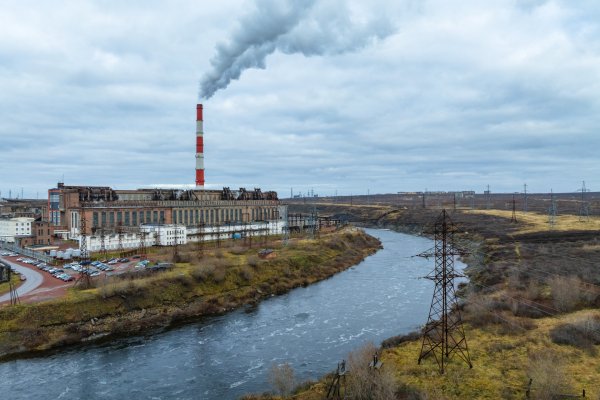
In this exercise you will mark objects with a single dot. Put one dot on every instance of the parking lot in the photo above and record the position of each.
(55, 280)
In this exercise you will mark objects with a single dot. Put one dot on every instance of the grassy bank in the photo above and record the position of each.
(530, 309)
(207, 283)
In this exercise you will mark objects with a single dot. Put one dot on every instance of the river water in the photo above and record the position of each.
(225, 357)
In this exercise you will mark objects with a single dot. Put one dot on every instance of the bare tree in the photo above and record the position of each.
(366, 383)
(281, 378)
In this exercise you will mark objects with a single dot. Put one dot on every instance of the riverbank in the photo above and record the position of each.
(530, 307)
(214, 282)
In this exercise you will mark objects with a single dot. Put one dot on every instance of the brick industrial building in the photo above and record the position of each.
(108, 212)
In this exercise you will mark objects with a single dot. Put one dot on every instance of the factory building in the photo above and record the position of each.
(155, 215)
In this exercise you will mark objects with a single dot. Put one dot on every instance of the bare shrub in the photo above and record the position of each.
(582, 332)
(202, 273)
(365, 383)
(246, 273)
(218, 274)
(548, 378)
(237, 249)
(533, 291)
(281, 378)
(221, 263)
(565, 292)
(395, 341)
(182, 258)
(253, 261)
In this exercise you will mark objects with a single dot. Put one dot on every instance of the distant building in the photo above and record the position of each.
(41, 234)
(158, 215)
(13, 229)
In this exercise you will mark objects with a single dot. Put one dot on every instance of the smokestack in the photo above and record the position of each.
(199, 148)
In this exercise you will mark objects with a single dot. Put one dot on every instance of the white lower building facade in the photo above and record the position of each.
(13, 228)
(169, 234)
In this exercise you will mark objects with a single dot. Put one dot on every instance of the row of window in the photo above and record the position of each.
(221, 215)
(127, 218)
(179, 216)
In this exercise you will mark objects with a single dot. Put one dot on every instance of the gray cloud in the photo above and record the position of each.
(456, 95)
(291, 26)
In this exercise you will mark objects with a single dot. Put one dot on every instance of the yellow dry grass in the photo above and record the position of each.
(500, 365)
(533, 222)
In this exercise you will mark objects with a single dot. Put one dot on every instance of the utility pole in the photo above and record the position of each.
(424, 197)
(444, 334)
(525, 197)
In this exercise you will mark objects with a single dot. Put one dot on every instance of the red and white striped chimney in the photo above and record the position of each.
(199, 149)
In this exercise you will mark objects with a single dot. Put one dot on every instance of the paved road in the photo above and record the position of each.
(34, 280)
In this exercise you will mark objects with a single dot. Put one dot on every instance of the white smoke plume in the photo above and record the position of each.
(308, 27)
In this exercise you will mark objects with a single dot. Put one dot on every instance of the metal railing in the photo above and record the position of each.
(15, 248)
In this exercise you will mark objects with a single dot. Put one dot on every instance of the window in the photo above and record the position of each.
(162, 217)
(148, 219)
(174, 217)
(119, 217)
(126, 218)
(185, 216)
(112, 218)
(134, 218)
(155, 216)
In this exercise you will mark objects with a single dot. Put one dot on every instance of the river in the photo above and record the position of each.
(227, 356)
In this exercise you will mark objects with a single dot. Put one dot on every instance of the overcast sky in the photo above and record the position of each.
(332, 95)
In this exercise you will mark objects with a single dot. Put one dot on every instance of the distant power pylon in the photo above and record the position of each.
(584, 209)
(514, 210)
(488, 198)
(552, 210)
(84, 275)
(103, 253)
(444, 335)
(120, 235)
(525, 197)
(286, 226)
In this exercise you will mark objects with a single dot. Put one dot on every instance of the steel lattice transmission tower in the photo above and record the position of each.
(444, 335)
(513, 218)
(84, 275)
(584, 209)
(286, 227)
(552, 210)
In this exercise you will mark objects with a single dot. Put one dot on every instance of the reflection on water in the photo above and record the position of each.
(224, 357)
